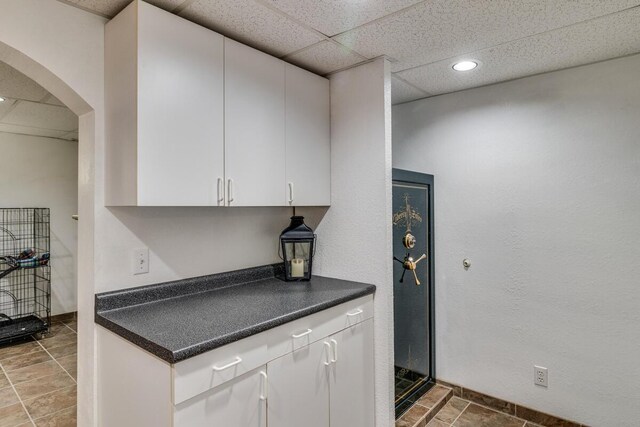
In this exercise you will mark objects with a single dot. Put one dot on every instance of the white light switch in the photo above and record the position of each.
(140, 260)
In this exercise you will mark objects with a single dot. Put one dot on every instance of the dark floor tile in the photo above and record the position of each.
(58, 341)
(434, 395)
(451, 410)
(8, 397)
(52, 402)
(542, 418)
(64, 418)
(457, 390)
(11, 416)
(18, 349)
(73, 325)
(490, 401)
(478, 416)
(66, 317)
(58, 329)
(22, 361)
(414, 417)
(34, 388)
(65, 350)
(32, 372)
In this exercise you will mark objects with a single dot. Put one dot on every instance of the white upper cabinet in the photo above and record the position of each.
(164, 89)
(254, 127)
(308, 136)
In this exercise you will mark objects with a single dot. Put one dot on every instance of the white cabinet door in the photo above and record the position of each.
(254, 127)
(308, 137)
(240, 402)
(299, 388)
(180, 110)
(351, 378)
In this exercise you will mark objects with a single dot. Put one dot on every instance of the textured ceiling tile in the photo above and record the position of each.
(253, 24)
(24, 130)
(111, 8)
(599, 39)
(332, 17)
(404, 92)
(439, 29)
(325, 57)
(44, 116)
(14, 84)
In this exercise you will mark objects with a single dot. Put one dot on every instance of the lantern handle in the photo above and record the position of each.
(280, 250)
(315, 237)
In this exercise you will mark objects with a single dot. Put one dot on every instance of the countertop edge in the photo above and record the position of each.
(173, 357)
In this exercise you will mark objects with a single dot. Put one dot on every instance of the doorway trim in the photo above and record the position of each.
(412, 177)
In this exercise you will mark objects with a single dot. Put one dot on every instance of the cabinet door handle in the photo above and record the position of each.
(327, 347)
(291, 193)
(355, 313)
(264, 386)
(220, 191)
(230, 190)
(302, 334)
(335, 351)
(228, 365)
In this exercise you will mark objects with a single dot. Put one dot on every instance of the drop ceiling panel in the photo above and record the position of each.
(439, 29)
(111, 8)
(14, 84)
(332, 17)
(604, 38)
(25, 130)
(325, 57)
(252, 23)
(402, 91)
(44, 116)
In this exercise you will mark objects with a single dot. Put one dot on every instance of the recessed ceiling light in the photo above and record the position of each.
(2, 99)
(465, 65)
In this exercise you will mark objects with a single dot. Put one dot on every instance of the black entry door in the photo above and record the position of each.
(413, 285)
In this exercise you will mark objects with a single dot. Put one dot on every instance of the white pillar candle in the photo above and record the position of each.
(297, 267)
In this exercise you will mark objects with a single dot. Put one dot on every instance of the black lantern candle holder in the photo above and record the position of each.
(297, 246)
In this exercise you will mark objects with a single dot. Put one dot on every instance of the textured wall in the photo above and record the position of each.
(354, 237)
(537, 182)
(43, 172)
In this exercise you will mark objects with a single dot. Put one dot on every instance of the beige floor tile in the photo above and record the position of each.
(32, 372)
(437, 423)
(4, 382)
(478, 416)
(64, 418)
(51, 403)
(11, 350)
(22, 361)
(34, 388)
(8, 397)
(65, 350)
(11, 416)
(73, 325)
(415, 416)
(434, 395)
(58, 329)
(60, 340)
(451, 410)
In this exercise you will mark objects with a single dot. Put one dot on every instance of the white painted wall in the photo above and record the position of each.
(43, 172)
(354, 237)
(537, 182)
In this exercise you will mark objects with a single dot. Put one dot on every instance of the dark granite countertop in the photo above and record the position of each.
(181, 319)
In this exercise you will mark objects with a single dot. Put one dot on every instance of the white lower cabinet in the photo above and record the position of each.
(299, 387)
(239, 402)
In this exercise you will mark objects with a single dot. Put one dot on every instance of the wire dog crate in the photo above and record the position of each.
(25, 272)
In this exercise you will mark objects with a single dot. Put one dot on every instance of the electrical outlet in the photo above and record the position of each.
(140, 261)
(540, 376)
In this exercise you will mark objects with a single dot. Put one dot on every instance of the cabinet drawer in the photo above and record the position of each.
(302, 332)
(208, 370)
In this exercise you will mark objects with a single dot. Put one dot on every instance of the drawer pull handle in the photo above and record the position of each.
(355, 313)
(335, 351)
(328, 353)
(307, 332)
(264, 389)
(228, 365)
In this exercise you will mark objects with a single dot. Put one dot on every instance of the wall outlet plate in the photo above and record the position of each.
(540, 376)
(140, 261)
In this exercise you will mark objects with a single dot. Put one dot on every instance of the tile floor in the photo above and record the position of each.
(38, 379)
(459, 412)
